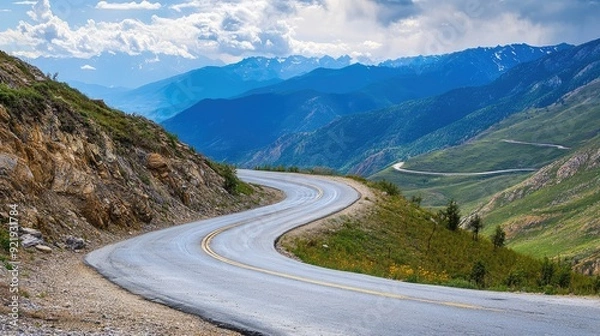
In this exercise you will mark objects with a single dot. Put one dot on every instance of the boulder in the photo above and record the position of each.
(155, 161)
(30, 231)
(75, 243)
(28, 240)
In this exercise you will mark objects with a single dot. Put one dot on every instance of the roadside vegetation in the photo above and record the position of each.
(231, 183)
(398, 239)
(294, 169)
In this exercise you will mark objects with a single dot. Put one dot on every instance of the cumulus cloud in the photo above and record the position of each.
(231, 29)
(146, 5)
(88, 67)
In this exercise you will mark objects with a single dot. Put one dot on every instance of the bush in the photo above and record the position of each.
(564, 277)
(4, 238)
(231, 182)
(478, 273)
(387, 187)
(547, 272)
(515, 279)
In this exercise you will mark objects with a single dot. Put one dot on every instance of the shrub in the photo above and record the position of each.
(546, 273)
(387, 187)
(564, 277)
(231, 182)
(499, 237)
(475, 225)
(478, 272)
(4, 238)
(515, 279)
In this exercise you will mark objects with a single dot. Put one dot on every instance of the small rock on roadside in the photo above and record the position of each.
(75, 243)
(30, 231)
(43, 248)
(28, 240)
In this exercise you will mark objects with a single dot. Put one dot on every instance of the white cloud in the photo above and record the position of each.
(25, 3)
(88, 67)
(186, 5)
(229, 30)
(146, 5)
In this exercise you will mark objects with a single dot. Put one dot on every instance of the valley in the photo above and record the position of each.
(476, 169)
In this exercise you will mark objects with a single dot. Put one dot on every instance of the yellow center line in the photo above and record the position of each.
(206, 242)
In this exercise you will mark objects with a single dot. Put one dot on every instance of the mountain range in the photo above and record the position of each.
(423, 125)
(328, 97)
(165, 98)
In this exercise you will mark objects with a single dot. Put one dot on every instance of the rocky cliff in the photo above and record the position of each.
(73, 166)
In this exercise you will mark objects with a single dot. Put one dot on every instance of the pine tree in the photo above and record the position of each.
(475, 225)
(452, 216)
(498, 237)
(478, 273)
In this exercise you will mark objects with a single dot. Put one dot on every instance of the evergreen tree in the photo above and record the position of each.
(498, 237)
(452, 216)
(475, 225)
(478, 273)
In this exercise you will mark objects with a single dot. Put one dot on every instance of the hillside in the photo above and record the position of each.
(324, 95)
(555, 212)
(73, 166)
(165, 98)
(523, 140)
(470, 67)
(232, 130)
(398, 239)
(420, 126)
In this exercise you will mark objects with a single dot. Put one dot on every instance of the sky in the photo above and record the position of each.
(173, 35)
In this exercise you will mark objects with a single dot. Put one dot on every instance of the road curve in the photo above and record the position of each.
(536, 144)
(227, 270)
(398, 167)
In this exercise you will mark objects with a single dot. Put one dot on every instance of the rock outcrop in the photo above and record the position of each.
(76, 167)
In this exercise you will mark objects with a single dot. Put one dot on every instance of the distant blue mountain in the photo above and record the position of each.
(471, 67)
(163, 99)
(96, 91)
(363, 143)
(229, 129)
(488, 59)
(235, 129)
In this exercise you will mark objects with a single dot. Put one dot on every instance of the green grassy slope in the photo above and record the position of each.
(397, 239)
(571, 122)
(556, 212)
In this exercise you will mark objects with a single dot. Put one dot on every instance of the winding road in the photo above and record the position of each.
(227, 270)
(398, 167)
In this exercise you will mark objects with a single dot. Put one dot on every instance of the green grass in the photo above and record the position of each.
(400, 240)
(231, 182)
(4, 238)
(436, 191)
(562, 219)
(571, 123)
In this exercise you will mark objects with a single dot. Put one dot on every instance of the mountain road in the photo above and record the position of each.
(228, 271)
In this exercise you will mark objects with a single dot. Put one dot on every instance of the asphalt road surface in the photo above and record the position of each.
(398, 167)
(228, 271)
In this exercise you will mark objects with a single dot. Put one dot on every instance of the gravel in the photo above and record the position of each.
(60, 295)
